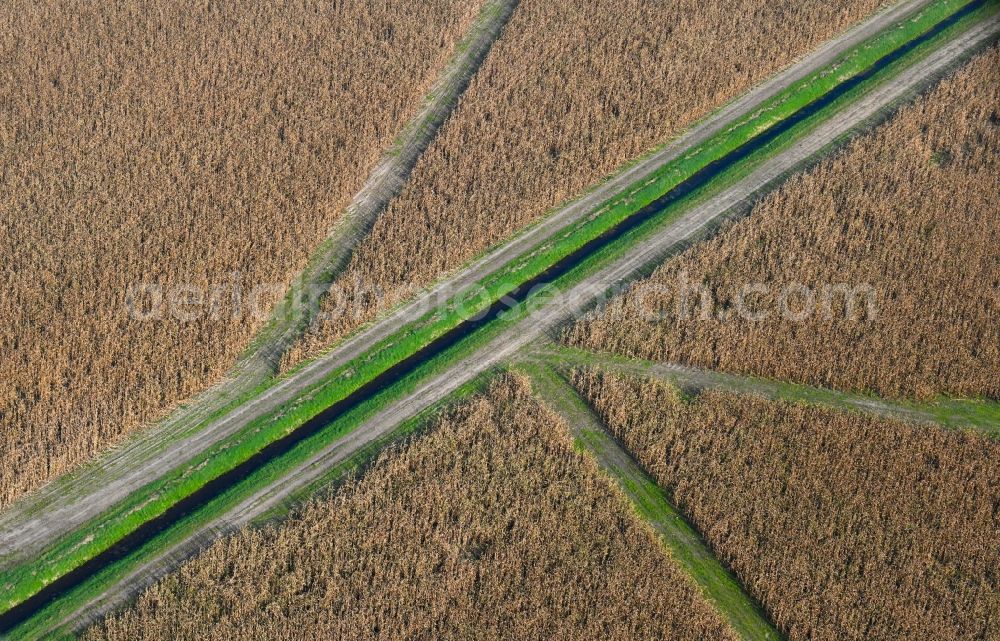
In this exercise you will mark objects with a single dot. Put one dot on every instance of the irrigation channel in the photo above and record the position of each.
(133, 542)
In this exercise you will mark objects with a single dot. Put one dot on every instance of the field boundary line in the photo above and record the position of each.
(977, 416)
(650, 503)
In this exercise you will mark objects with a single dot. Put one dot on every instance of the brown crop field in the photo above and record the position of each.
(843, 525)
(490, 525)
(177, 144)
(904, 211)
(570, 92)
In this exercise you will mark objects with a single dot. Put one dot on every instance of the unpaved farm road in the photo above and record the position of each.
(562, 307)
(27, 526)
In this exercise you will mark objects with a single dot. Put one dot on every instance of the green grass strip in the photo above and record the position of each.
(651, 504)
(978, 415)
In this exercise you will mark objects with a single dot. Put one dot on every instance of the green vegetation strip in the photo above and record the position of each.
(651, 504)
(152, 500)
(52, 617)
(979, 415)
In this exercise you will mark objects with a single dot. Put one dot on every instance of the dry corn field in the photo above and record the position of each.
(907, 209)
(570, 92)
(843, 525)
(175, 143)
(490, 525)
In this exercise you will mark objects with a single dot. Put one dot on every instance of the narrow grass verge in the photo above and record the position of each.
(978, 415)
(651, 504)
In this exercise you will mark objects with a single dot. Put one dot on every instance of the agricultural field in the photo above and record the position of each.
(554, 110)
(178, 144)
(500, 319)
(899, 218)
(844, 526)
(489, 524)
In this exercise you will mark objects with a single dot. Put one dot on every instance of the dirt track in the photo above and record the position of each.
(558, 309)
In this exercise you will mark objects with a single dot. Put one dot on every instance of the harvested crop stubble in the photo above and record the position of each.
(570, 92)
(175, 143)
(489, 526)
(845, 526)
(910, 209)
